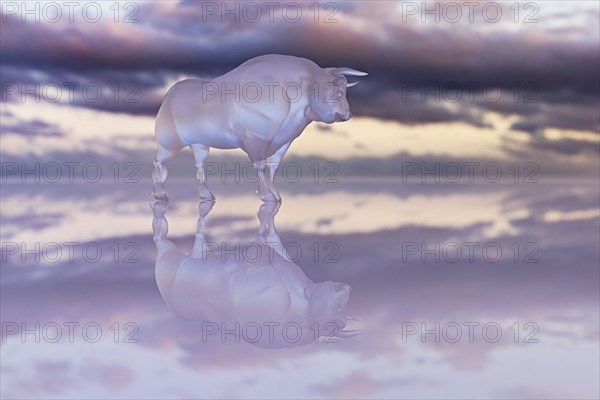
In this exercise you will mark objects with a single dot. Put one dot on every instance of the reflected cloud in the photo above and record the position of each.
(559, 293)
(559, 216)
(252, 288)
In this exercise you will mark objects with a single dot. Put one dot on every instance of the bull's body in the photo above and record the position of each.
(269, 293)
(259, 107)
(229, 112)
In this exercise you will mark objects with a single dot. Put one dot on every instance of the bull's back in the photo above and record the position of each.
(272, 68)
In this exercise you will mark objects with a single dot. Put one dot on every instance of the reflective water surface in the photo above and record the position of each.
(464, 291)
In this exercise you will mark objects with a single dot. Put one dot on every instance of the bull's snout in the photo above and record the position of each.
(341, 117)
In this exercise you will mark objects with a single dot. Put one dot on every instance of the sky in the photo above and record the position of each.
(458, 82)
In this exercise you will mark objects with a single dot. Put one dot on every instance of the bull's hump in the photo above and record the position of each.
(277, 59)
(271, 67)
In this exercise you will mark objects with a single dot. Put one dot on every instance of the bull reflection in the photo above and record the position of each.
(265, 297)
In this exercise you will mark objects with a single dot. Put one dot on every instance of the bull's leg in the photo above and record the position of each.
(159, 175)
(273, 164)
(267, 233)
(199, 248)
(160, 226)
(200, 154)
(264, 189)
(266, 228)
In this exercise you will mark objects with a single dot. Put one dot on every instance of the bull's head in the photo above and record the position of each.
(328, 101)
(327, 307)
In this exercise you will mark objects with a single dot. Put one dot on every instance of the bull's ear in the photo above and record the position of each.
(350, 84)
(347, 71)
(339, 81)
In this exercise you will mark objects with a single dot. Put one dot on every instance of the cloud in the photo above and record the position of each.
(169, 40)
(563, 114)
(31, 128)
(559, 216)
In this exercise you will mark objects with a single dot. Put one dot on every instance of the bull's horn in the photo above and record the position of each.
(351, 318)
(352, 84)
(346, 334)
(347, 71)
